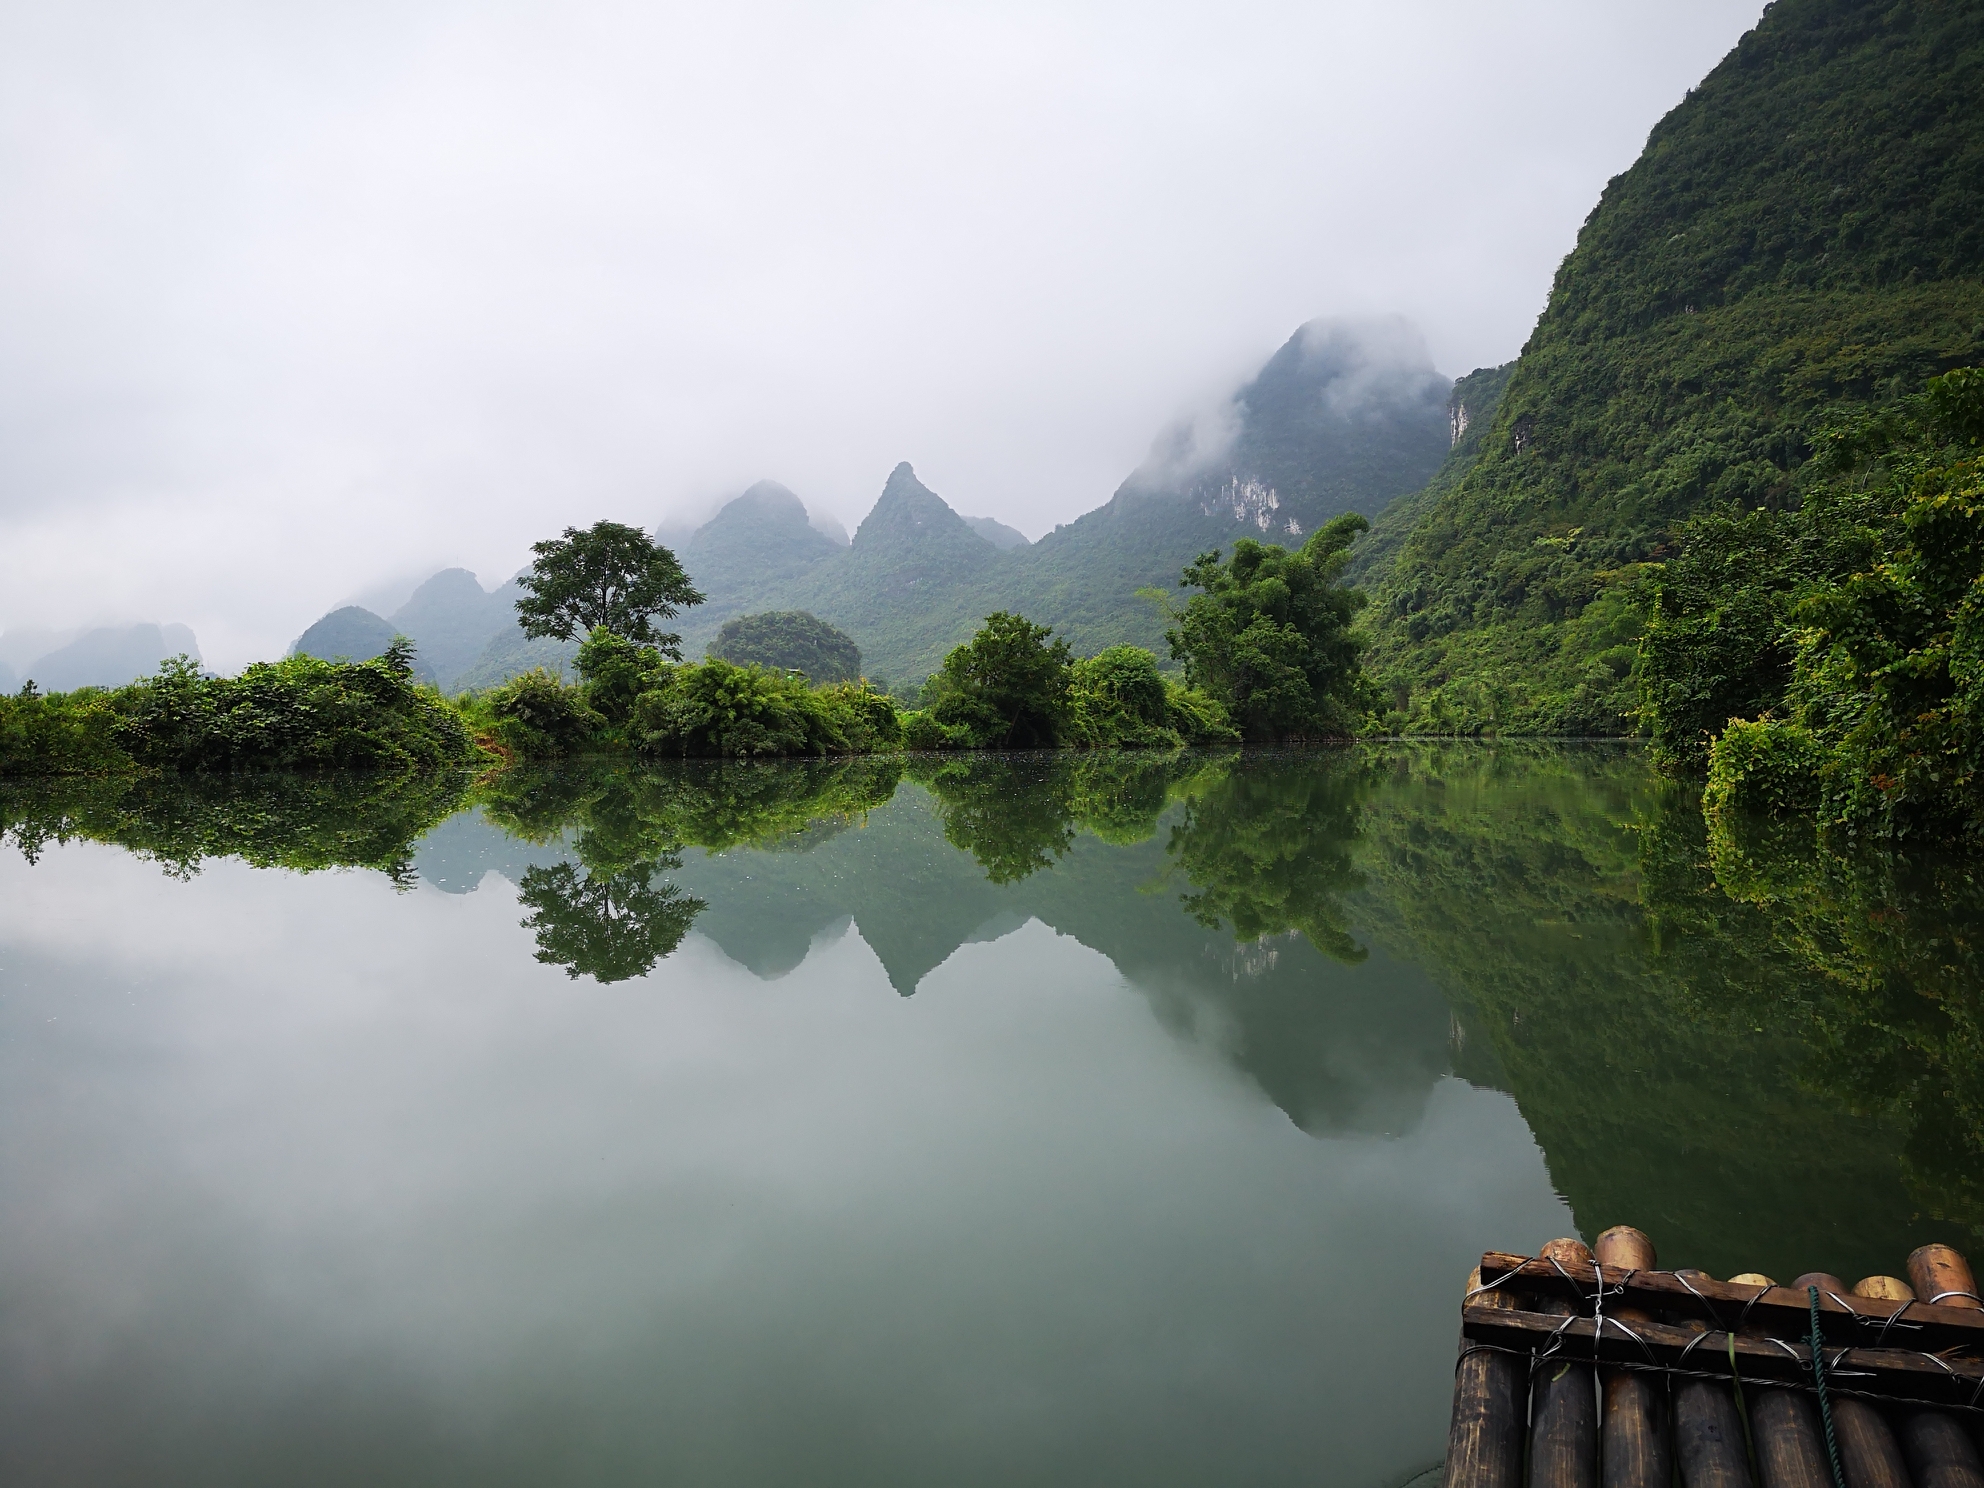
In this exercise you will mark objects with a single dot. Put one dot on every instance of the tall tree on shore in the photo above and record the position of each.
(1269, 635)
(608, 575)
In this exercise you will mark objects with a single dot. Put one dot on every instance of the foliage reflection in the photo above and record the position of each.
(1704, 1030)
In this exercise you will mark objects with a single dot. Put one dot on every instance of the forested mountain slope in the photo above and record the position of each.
(1346, 416)
(1804, 232)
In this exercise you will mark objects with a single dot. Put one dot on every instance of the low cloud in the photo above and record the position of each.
(300, 298)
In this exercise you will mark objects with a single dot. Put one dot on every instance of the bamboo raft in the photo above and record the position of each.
(1578, 1370)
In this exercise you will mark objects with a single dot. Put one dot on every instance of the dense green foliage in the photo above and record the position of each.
(1014, 686)
(298, 713)
(791, 640)
(720, 709)
(1268, 636)
(1006, 688)
(1833, 657)
(607, 575)
(1801, 234)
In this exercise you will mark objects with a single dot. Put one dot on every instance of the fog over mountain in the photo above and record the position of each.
(306, 303)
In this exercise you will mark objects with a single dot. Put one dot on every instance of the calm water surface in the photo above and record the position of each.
(1005, 1121)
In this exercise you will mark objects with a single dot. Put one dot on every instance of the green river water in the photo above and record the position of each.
(1023, 1120)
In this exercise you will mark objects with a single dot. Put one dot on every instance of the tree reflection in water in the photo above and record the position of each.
(608, 926)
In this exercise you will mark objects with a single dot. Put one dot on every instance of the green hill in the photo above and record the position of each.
(1805, 231)
(452, 619)
(353, 634)
(792, 640)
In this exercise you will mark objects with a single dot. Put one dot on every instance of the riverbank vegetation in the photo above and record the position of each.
(1829, 659)
(1265, 647)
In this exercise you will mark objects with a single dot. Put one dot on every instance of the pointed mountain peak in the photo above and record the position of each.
(910, 511)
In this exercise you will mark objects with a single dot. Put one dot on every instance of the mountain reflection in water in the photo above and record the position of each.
(1765, 1056)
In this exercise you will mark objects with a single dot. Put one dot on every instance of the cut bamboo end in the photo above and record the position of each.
(1899, 1422)
(1942, 1278)
(1884, 1289)
(1829, 1286)
(1625, 1247)
(1569, 1251)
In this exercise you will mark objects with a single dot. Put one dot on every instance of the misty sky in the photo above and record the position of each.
(295, 299)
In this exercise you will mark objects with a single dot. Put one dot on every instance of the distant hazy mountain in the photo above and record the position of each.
(106, 657)
(1347, 416)
(452, 619)
(354, 634)
(464, 635)
(758, 542)
(348, 634)
(510, 653)
(997, 533)
(24, 644)
(913, 584)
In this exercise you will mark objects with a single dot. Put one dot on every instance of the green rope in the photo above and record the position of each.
(1819, 1378)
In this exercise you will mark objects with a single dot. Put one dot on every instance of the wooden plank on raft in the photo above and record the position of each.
(1843, 1317)
(1901, 1374)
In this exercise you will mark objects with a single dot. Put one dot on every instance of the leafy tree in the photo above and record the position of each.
(607, 574)
(1006, 688)
(1268, 636)
(1118, 698)
(536, 714)
(616, 671)
(792, 640)
(1715, 646)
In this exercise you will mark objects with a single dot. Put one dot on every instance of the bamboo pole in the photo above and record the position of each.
(1940, 1452)
(1634, 1451)
(1484, 1434)
(1708, 1434)
(1563, 1411)
(1868, 1452)
(1784, 1426)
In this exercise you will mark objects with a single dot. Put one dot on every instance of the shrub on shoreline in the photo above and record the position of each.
(297, 713)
